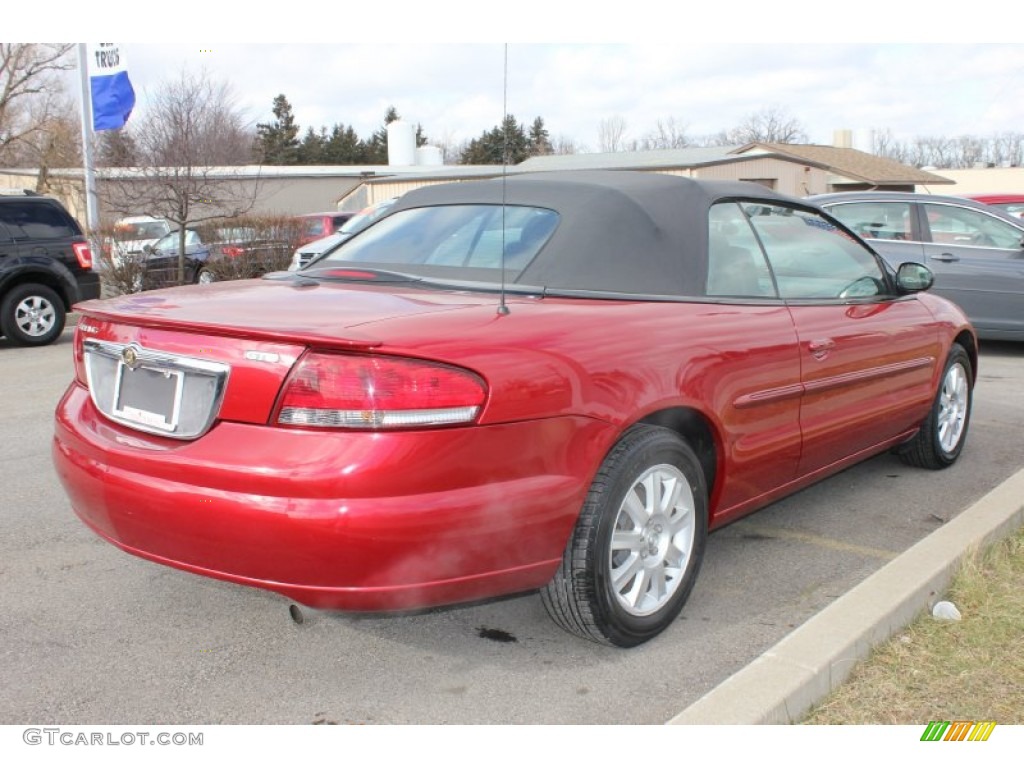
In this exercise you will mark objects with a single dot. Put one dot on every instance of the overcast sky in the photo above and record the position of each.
(643, 63)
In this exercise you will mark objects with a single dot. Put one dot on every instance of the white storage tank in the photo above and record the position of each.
(429, 155)
(401, 143)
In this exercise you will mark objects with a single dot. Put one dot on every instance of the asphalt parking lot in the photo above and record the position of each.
(91, 635)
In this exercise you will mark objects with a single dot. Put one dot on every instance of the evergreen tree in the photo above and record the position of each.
(506, 143)
(311, 148)
(116, 149)
(540, 140)
(277, 143)
(343, 147)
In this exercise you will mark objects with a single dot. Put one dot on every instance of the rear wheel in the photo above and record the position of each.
(205, 277)
(634, 555)
(944, 432)
(32, 315)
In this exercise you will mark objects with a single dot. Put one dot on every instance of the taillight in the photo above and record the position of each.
(233, 251)
(79, 352)
(83, 254)
(377, 392)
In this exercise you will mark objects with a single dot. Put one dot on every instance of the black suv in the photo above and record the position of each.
(45, 267)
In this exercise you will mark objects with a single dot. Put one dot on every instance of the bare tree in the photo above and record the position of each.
(30, 93)
(667, 134)
(565, 145)
(771, 125)
(611, 134)
(56, 143)
(934, 151)
(972, 151)
(884, 144)
(1008, 149)
(189, 136)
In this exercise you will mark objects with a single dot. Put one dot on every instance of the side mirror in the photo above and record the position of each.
(912, 277)
(148, 249)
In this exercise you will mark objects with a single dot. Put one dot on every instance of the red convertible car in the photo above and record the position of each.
(554, 381)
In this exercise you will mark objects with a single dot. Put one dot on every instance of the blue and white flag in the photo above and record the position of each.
(113, 97)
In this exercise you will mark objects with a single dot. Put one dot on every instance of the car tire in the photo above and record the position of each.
(942, 435)
(635, 552)
(32, 315)
(205, 277)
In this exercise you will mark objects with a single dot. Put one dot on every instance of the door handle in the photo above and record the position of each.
(945, 257)
(820, 348)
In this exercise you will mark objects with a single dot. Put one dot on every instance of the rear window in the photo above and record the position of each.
(449, 238)
(37, 221)
(315, 227)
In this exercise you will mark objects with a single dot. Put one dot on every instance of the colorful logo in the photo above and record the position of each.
(958, 730)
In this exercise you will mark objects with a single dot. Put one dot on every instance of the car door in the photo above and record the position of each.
(8, 248)
(978, 261)
(891, 227)
(867, 356)
(162, 262)
(757, 384)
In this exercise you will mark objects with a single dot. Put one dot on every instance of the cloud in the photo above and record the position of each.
(457, 90)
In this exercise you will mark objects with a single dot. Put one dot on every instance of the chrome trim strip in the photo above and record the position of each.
(187, 366)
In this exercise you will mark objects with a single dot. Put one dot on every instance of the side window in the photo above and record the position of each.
(812, 258)
(736, 265)
(878, 221)
(36, 221)
(952, 225)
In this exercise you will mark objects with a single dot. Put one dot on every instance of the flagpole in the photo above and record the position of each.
(91, 201)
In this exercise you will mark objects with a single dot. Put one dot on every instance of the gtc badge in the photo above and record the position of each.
(130, 357)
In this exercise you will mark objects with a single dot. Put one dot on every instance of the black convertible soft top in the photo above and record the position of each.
(619, 231)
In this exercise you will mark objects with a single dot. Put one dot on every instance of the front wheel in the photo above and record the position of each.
(633, 557)
(205, 277)
(942, 436)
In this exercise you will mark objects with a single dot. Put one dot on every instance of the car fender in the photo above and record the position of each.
(44, 270)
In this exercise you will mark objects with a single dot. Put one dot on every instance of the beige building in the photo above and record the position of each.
(797, 170)
(979, 181)
(794, 169)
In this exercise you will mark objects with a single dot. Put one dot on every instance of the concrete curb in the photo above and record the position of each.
(812, 660)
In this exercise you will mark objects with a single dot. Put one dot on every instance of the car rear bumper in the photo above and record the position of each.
(355, 521)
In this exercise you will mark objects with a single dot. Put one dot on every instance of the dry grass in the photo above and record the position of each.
(972, 669)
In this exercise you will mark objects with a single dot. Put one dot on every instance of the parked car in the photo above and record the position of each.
(556, 382)
(976, 251)
(311, 251)
(131, 236)
(317, 225)
(208, 261)
(1012, 204)
(45, 267)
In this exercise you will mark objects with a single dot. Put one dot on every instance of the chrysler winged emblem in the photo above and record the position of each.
(130, 356)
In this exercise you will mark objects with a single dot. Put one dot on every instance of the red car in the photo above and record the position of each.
(1013, 204)
(558, 381)
(313, 226)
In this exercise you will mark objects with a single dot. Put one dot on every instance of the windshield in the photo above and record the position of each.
(450, 239)
(148, 230)
(170, 241)
(366, 217)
